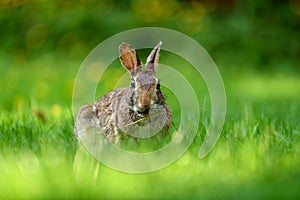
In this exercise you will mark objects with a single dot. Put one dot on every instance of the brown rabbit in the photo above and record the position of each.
(139, 110)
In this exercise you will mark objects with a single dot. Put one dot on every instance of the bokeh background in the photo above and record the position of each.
(44, 42)
(255, 44)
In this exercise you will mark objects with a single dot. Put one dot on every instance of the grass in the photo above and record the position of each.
(257, 156)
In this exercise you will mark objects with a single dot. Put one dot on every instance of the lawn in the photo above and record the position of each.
(257, 155)
(255, 45)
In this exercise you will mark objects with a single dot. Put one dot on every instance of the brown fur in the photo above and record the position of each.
(127, 110)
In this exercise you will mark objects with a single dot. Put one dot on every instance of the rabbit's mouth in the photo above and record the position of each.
(145, 112)
(141, 112)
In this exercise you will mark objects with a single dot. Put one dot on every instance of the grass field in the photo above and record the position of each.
(257, 156)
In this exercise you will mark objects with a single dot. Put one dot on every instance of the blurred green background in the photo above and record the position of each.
(43, 41)
(255, 44)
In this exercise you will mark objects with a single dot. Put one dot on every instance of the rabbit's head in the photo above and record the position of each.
(144, 92)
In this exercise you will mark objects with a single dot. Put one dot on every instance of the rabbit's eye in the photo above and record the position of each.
(158, 85)
(132, 83)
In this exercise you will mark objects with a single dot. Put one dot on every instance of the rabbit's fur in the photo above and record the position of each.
(138, 110)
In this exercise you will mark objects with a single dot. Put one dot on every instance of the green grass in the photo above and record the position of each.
(257, 156)
(256, 46)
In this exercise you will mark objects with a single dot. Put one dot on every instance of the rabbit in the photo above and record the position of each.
(139, 110)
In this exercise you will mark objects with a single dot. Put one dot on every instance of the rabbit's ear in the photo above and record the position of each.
(152, 60)
(129, 58)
